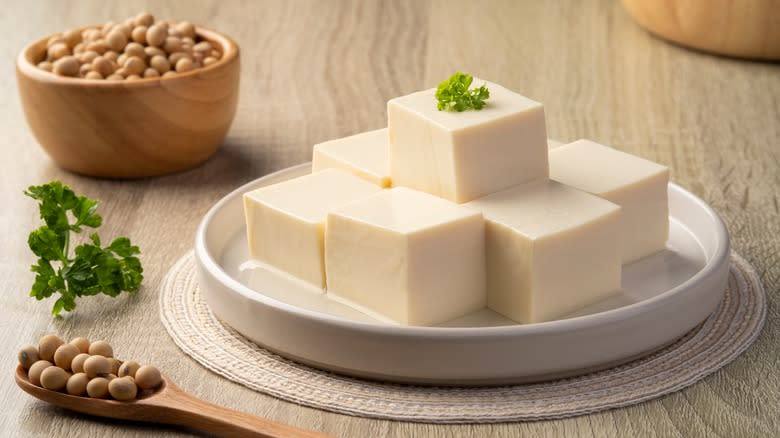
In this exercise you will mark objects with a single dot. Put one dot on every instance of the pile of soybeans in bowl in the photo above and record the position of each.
(85, 368)
(136, 48)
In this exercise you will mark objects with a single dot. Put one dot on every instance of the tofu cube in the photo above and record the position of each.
(470, 154)
(407, 256)
(364, 155)
(636, 184)
(285, 222)
(550, 250)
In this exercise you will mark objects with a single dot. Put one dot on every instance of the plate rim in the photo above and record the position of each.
(711, 268)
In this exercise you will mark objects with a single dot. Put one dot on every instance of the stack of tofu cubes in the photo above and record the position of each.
(444, 213)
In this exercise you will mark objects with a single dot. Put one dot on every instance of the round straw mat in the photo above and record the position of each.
(714, 343)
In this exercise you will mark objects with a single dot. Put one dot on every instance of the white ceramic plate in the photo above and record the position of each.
(665, 295)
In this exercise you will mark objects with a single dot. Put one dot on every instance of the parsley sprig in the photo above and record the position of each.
(92, 269)
(454, 94)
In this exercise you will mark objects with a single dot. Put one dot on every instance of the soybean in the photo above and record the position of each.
(139, 34)
(54, 378)
(84, 69)
(87, 57)
(148, 377)
(160, 63)
(97, 387)
(112, 55)
(186, 28)
(172, 44)
(93, 75)
(65, 355)
(28, 355)
(156, 34)
(66, 66)
(134, 65)
(48, 345)
(104, 67)
(116, 40)
(128, 368)
(123, 388)
(101, 348)
(144, 19)
(77, 384)
(57, 51)
(97, 366)
(46, 65)
(72, 37)
(77, 365)
(114, 365)
(135, 49)
(34, 373)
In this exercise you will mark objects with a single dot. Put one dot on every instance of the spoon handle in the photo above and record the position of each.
(181, 408)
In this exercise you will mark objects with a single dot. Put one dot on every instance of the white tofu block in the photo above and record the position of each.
(636, 184)
(364, 155)
(462, 156)
(408, 256)
(551, 250)
(285, 222)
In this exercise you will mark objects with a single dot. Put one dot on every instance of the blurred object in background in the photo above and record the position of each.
(744, 28)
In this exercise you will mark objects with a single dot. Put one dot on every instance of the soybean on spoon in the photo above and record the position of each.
(168, 405)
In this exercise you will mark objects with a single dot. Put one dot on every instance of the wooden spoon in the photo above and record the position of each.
(168, 405)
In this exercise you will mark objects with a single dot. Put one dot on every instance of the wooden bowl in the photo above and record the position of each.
(131, 129)
(746, 28)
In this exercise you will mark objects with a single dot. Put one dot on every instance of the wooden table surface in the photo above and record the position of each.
(317, 70)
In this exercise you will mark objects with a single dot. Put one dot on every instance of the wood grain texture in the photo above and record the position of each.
(312, 71)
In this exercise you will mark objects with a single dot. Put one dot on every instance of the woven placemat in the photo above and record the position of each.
(717, 341)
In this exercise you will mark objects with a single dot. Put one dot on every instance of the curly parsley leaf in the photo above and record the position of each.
(454, 94)
(92, 269)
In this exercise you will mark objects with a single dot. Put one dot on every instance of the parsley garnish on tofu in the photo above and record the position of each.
(454, 94)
